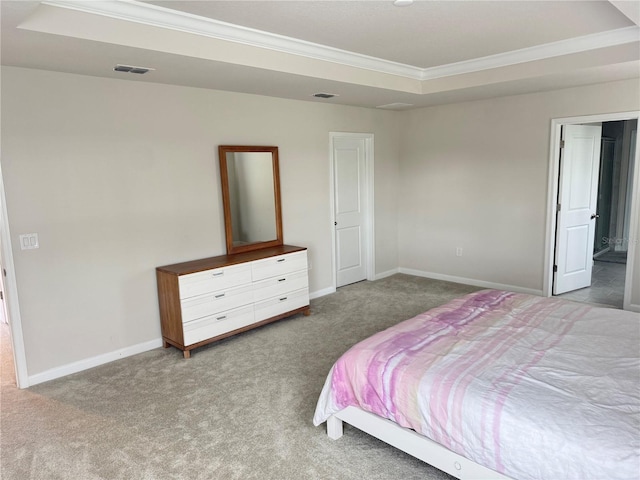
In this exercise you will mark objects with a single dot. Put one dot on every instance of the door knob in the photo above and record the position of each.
(593, 215)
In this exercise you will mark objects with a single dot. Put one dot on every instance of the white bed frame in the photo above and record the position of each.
(410, 442)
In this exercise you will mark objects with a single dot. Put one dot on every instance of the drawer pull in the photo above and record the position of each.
(283, 299)
(281, 259)
(221, 295)
(218, 274)
(221, 318)
(281, 279)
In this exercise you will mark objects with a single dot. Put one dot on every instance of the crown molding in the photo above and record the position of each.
(153, 15)
(570, 46)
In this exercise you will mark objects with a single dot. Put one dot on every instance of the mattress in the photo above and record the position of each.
(531, 387)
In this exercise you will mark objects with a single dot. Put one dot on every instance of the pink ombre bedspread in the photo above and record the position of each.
(532, 387)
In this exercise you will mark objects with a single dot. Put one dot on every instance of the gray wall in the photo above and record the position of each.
(475, 175)
(119, 177)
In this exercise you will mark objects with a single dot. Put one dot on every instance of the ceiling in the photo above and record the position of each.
(369, 53)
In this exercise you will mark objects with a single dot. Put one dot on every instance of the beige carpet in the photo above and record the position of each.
(238, 409)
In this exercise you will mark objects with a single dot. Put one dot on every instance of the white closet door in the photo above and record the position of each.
(349, 158)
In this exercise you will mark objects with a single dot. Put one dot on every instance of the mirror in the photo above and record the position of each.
(250, 197)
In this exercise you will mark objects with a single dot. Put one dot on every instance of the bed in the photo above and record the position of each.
(498, 384)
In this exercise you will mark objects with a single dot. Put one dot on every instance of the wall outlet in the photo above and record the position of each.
(458, 251)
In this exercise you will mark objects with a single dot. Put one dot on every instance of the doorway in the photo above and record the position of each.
(351, 157)
(610, 246)
(609, 215)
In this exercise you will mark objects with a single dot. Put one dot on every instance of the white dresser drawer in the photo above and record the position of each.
(219, 301)
(276, 306)
(212, 280)
(279, 265)
(280, 285)
(208, 327)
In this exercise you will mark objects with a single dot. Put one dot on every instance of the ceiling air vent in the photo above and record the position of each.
(131, 69)
(324, 95)
(396, 106)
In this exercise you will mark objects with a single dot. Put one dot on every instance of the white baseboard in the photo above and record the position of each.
(632, 307)
(470, 281)
(88, 363)
(601, 252)
(330, 290)
(322, 293)
(388, 273)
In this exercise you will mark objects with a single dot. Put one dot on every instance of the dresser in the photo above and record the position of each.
(205, 300)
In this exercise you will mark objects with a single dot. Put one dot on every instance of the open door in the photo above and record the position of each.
(577, 201)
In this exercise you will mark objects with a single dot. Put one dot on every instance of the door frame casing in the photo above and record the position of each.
(11, 301)
(368, 197)
(552, 199)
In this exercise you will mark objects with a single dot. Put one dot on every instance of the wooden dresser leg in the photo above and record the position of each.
(165, 344)
(186, 353)
(307, 312)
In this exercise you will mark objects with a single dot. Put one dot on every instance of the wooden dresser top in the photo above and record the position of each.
(194, 266)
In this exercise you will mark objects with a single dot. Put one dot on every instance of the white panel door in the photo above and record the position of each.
(577, 198)
(349, 163)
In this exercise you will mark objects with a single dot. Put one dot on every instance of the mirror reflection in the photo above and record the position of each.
(250, 197)
(252, 202)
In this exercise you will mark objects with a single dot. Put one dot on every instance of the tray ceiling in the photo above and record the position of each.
(370, 53)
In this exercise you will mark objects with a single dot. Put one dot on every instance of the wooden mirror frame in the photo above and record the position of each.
(226, 201)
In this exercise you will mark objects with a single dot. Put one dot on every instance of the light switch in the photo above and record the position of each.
(29, 241)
